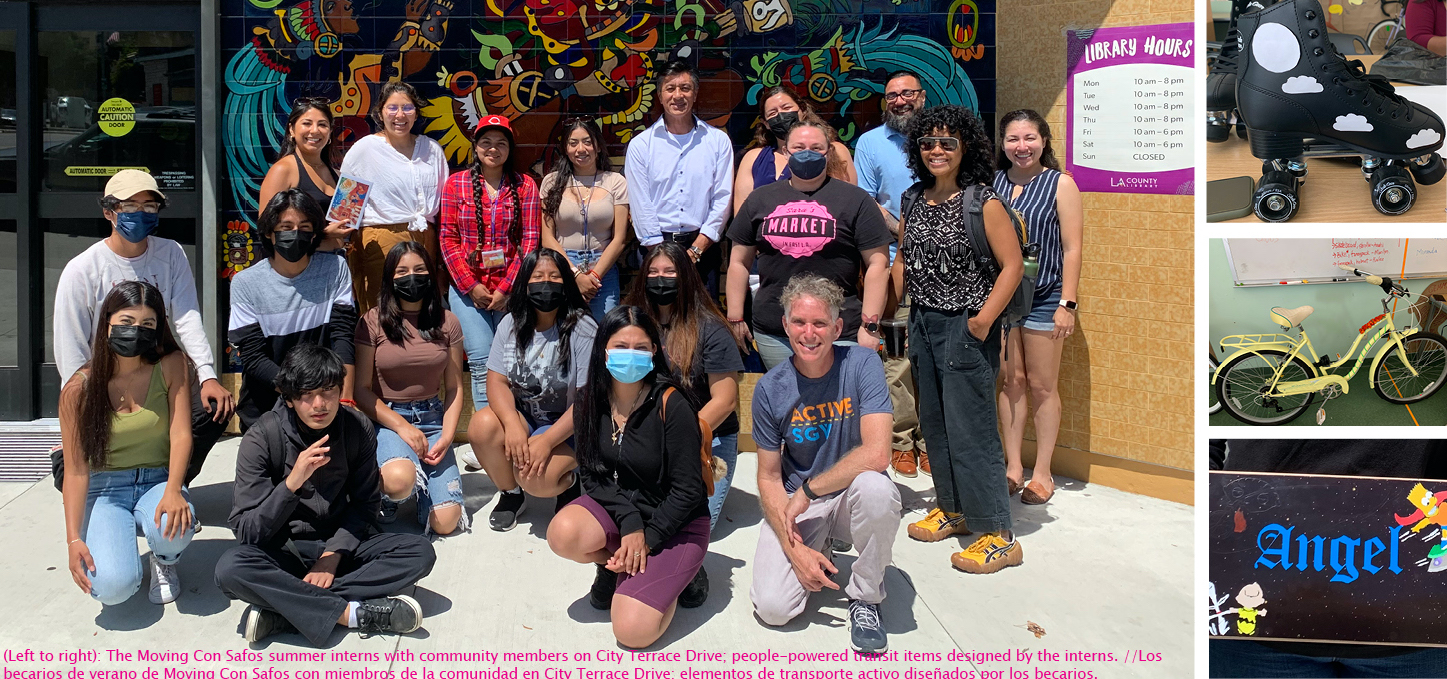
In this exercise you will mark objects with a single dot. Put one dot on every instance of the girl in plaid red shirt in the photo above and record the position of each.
(490, 218)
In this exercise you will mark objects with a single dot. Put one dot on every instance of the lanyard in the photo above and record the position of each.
(583, 207)
(490, 234)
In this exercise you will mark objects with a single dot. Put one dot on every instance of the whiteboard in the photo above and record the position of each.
(1278, 261)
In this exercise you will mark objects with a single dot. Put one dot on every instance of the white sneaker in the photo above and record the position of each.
(469, 459)
(165, 582)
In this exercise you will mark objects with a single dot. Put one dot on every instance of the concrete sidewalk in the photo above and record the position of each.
(1104, 571)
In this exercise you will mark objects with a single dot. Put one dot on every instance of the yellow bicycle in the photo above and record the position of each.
(1273, 378)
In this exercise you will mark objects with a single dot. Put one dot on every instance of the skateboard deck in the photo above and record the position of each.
(1327, 558)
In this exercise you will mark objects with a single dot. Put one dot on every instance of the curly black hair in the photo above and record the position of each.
(977, 167)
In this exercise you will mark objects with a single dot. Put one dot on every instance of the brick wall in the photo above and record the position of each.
(1125, 379)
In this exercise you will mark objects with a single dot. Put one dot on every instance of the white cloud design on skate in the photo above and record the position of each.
(1423, 138)
(1275, 48)
(1302, 84)
(1352, 122)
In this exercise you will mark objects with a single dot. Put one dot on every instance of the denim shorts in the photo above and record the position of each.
(1042, 314)
(437, 485)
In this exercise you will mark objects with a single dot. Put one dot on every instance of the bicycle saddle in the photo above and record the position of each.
(1290, 317)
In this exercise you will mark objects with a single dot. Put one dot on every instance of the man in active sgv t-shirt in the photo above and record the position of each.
(822, 422)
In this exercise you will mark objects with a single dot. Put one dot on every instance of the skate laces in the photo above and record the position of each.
(1230, 49)
(1355, 79)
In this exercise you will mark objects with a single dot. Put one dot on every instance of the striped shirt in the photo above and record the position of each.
(1042, 223)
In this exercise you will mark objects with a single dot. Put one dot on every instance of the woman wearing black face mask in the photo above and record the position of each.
(408, 348)
(700, 350)
(811, 223)
(287, 299)
(125, 419)
(765, 157)
(538, 362)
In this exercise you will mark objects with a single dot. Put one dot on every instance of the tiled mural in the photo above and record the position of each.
(540, 61)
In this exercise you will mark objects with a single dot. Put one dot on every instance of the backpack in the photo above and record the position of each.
(1024, 298)
(714, 469)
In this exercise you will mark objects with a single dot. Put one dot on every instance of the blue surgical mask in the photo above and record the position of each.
(807, 164)
(135, 226)
(629, 365)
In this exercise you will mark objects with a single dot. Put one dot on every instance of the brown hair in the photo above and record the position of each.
(95, 411)
(1047, 155)
(690, 309)
(391, 88)
(836, 168)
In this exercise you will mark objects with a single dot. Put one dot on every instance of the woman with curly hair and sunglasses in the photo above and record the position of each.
(954, 345)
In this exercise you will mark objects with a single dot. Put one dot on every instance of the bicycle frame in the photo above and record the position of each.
(1324, 378)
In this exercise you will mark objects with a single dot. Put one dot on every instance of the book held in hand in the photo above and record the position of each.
(348, 200)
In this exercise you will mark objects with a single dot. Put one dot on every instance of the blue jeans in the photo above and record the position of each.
(478, 327)
(775, 349)
(438, 485)
(955, 374)
(609, 291)
(1233, 658)
(115, 504)
(725, 448)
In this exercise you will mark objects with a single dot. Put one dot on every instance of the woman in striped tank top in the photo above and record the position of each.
(1029, 177)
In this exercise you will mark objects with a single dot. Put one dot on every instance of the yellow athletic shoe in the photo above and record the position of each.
(937, 525)
(988, 554)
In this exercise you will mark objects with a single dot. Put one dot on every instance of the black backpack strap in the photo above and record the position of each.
(909, 198)
(975, 230)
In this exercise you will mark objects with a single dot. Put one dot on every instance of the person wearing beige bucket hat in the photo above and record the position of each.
(132, 204)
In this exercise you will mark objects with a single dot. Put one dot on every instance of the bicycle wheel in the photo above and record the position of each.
(1214, 400)
(1246, 379)
(1381, 35)
(1427, 352)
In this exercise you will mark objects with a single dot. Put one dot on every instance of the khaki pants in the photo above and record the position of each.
(902, 394)
(368, 254)
(866, 514)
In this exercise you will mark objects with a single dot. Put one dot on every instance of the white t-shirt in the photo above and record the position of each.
(89, 277)
(403, 190)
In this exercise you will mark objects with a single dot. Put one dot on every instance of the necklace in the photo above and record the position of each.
(619, 426)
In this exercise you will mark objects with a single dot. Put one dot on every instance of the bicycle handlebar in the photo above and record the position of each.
(1386, 284)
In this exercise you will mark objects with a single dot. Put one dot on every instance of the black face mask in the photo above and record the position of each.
(132, 340)
(781, 123)
(292, 245)
(662, 290)
(545, 295)
(412, 287)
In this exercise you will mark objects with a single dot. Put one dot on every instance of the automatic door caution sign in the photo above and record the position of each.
(117, 117)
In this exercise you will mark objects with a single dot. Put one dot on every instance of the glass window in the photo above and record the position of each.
(9, 296)
(117, 99)
(7, 115)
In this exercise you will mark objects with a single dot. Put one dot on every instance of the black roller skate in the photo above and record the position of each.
(1301, 98)
(1221, 79)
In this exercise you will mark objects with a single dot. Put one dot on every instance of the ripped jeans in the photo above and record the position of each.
(437, 485)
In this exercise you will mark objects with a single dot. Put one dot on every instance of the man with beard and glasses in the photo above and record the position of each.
(883, 165)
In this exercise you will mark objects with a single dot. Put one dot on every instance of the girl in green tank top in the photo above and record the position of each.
(125, 424)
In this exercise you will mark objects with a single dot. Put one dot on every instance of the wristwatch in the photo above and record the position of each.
(697, 253)
(1069, 304)
(871, 325)
(808, 492)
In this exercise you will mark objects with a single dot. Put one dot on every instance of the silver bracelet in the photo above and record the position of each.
(72, 542)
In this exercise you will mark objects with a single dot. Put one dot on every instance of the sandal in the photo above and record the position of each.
(1012, 485)
(1032, 495)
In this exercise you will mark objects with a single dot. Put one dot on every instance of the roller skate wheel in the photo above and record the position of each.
(1392, 190)
(1275, 202)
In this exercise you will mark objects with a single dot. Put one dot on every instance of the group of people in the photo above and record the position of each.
(621, 404)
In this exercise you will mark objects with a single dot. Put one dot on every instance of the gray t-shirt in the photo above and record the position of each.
(815, 422)
(541, 385)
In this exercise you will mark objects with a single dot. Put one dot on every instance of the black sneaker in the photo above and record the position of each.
(505, 512)
(258, 623)
(696, 592)
(604, 584)
(839, 545)
(573, 492)
(388, 513)
(395, 614)
(866, 632)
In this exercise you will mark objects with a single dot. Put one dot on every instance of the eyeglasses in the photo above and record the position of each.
(130, 207)
(907, 95)
(394, 109)
(950, 144)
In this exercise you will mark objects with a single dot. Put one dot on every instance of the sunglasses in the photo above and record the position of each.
(950, 144)
(311, 101)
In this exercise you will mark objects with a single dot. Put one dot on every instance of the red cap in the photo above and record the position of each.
(493, 121)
